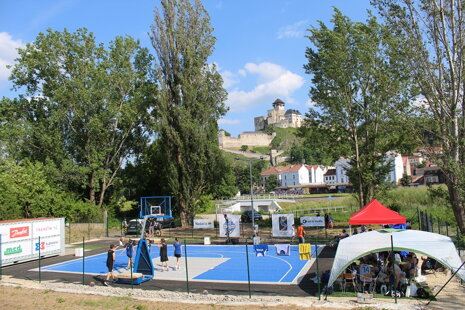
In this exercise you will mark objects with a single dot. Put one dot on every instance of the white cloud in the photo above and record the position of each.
(310, 103)
(274, 81)
(8, 53)
(295, 30)
(229, 121)
(229, 79)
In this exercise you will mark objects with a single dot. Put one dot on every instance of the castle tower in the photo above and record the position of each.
(278, 104)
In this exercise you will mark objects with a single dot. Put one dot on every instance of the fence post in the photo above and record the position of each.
(132, 281)
(317, 268)
(447, 229)
(83, 261)
(439, 226)
(106, 233)
(393, 268)
(419, 219)
(187, 269)
(40, 267)
(248, 267)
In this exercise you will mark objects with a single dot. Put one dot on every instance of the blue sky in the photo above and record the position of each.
(260, 48)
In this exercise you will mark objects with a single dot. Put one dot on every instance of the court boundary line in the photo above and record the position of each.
(294, 281)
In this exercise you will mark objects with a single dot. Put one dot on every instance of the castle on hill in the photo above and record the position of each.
(277, 117)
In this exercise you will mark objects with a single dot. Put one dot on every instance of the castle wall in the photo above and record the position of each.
(246, 138)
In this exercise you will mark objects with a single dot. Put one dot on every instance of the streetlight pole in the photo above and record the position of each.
(251, 200)
(251, 191)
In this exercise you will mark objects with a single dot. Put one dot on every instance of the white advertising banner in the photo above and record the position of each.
(282, 225)
(20, 239)
(312, 221)
(232, 225)
(46, 245)
(46, 228)
(204, 223)
(16, 231)
(16, 249)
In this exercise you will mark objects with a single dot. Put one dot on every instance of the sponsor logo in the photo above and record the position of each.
(231, 226)
(18, 232)
(46, 228)
(13, 250)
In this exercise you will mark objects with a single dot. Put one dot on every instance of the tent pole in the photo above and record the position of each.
(393, 269)
(453, 275)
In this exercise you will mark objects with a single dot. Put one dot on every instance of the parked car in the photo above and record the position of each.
(246, 217)
(135, 225)
(166, 222)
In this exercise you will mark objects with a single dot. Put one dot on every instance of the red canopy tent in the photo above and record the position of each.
(375, 213)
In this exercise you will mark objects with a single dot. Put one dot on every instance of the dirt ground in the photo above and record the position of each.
(27, 294)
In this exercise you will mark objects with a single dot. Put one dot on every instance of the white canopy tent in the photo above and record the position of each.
(436, 246)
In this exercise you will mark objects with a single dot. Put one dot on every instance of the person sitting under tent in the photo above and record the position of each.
(343, 235)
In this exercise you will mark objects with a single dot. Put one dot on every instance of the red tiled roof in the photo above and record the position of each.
(281, 169)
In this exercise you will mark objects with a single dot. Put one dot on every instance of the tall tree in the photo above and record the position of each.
(192, 100)
(360, 89)
(434, 34)
(87, 106)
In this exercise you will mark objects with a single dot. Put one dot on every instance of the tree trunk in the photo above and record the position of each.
(184, 215)
(458, 206)
(91, 188)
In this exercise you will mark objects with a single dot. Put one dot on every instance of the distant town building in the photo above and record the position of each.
(316, 174)
(277, 117)
(293, 175)
(330, 176)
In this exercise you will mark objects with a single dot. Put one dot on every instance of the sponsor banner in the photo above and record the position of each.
(16, 250)
(312, 221)
(46, 228)
(232, 225)
(15, 231)
(46, 245)
(282, 225)
(204, 223)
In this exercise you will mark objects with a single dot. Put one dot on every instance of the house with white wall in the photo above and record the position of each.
(295, 175)
(395, 174)
(316, 174)
(397, 167)
(342, 165)
(330, 176)
(289, 175)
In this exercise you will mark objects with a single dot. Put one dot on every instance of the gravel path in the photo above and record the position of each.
(224, 300)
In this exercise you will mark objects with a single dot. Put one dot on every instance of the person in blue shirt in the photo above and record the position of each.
(129, 252)
(177, 251)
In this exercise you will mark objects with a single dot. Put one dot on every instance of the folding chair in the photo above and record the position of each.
(349, 278)
(367, 279)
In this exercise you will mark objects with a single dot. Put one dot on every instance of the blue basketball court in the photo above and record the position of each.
(211, 263)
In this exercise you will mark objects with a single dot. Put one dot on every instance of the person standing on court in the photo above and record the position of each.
(110, 262)
(163, 254)
(301, 233)
(177, 251)
(129, 252)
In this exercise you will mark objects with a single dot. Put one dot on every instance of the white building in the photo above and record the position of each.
(316, 174)
(295, 175)
(342, 165)
(395, 174)
(330, 176)
(397, 167)
(290, 175)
